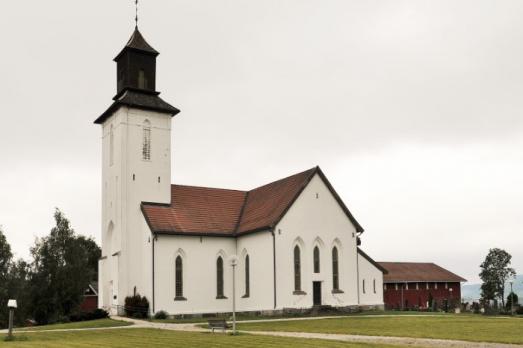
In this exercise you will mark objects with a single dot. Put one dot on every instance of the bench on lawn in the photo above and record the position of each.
(218, 324)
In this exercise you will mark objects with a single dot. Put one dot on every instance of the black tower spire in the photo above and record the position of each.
(136, 78)
(136, 65)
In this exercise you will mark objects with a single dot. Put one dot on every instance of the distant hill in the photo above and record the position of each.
(472, 292)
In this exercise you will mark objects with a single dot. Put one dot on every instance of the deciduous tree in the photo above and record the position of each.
(495, 271)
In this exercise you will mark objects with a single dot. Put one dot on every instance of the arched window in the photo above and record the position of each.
(363, 285)
(374, 285)
(247, 277)
(335, 270)
(146, 145)
(111, 146)
(297, 269)
(316, 259)
(179, 278)
(219, 278)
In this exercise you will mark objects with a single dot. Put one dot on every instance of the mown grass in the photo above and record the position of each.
(77, 325)
(459, 327)
(162, 338)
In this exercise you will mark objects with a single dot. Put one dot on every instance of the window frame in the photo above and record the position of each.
(316, 259)
(178, 279)
(220, 288)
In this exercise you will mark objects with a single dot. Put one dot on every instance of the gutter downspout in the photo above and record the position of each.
(154, 238)
(274, 264)
(358, 274)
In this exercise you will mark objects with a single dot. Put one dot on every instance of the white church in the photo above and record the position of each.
(294, 242)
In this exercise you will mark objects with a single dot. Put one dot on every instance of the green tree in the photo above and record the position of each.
(495, 272)
(5, 260)
(512, 298)
(63, 265)
(18, 288)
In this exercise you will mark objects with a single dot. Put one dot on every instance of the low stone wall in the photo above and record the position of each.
(288, 312)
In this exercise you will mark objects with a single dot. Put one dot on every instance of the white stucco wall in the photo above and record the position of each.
(126, 182)
(259, 247)
(316, 219)
(199, 257)
(373, 278)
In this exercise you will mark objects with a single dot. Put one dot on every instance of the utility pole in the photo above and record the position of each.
(234, 263)
(511, 299)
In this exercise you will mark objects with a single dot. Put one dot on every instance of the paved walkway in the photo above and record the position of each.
(399, 341)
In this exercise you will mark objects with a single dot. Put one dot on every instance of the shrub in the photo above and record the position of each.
(136, 306)
(161, 315)
(83, 316)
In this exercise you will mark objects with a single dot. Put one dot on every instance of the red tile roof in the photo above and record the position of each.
(417, 272)
(221, 212)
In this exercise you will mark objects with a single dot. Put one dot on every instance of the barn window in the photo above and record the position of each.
(436, 286)
(111, 146)
(335, 270)
(146, 144)
(427, 285)
(363, 285)
(316, 257)
(179, 278)
(219, 278)
(297, 269)
(374, 285)
(417, 286)
(446, 285)
(247, 277)
(384, 286)
(396, 285)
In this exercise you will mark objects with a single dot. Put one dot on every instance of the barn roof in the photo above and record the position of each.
(399, 272)
(222, 212)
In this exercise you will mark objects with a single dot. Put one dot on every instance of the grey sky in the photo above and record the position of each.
(412, 108)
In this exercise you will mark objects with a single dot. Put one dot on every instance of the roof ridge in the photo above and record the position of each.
(283, 179)
(241, 213)
(208, 187)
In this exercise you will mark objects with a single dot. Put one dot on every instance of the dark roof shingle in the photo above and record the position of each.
(221, 212)
(417, 272)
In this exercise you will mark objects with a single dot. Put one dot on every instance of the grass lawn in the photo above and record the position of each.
(78, 325)
(460, 327)
(163, 338)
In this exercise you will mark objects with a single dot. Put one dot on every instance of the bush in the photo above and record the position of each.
(83, 316)
(161, 315)
(136, 306)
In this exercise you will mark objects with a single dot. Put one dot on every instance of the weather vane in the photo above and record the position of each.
(136, 17)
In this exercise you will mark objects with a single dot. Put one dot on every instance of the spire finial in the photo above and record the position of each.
(136, 17)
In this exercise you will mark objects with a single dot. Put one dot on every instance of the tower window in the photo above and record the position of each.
(142, 80)
(146, 145)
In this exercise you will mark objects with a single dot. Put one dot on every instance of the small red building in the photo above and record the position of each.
(90, 302)
(411, 285)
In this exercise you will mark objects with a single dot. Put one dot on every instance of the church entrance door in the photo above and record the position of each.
(316, 293)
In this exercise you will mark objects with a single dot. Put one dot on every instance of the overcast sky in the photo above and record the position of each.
(413, 109)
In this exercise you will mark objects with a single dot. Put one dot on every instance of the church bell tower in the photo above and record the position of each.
(136, 168)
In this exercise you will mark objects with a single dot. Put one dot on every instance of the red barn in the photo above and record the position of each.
(411, 285)
(90, 302)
